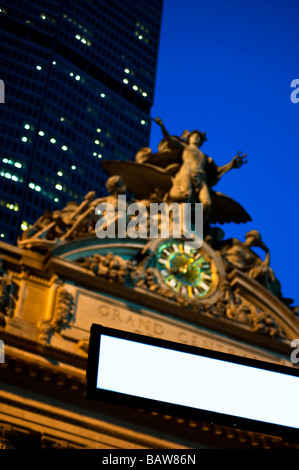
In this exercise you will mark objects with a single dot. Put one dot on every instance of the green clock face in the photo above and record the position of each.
(186, 270)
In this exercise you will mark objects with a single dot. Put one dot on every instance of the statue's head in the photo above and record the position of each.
(202, 136)
(253, 237)
(115, 184)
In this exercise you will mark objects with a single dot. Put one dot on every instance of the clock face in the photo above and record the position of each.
(188, 271)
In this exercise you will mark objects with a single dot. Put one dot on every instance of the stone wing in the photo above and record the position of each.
(225, 210)
(166, 157)
(142, 179)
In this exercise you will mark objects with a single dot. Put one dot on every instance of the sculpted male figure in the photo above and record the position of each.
(198, 171)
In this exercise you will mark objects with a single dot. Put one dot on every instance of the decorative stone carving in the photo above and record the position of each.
(7, 302)
(259, 321)
(228, 305)
(72, 222)
(112, 267)
(239, 255)
(181, 172)
(197, 172)
(62, 315)
(144, 275)
(178, 172)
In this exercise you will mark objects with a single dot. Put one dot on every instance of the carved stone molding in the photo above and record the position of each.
(228, 304)
(111, 267)
(7, 437)
(259, 321)
(62, 315)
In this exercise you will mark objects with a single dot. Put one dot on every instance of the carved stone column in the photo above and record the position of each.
(7, 440)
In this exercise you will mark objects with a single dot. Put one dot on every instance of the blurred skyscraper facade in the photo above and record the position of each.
(79, 82)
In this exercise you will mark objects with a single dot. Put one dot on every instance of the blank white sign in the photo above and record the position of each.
(199, 382)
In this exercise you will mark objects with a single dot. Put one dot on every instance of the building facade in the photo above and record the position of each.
(79, 83)
(61, 278)
(48, 303)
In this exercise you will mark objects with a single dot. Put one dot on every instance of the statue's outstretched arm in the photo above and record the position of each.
(173, 142)
(236, 162)
(165, 133)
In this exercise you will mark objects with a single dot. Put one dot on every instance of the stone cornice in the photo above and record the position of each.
(66, 383)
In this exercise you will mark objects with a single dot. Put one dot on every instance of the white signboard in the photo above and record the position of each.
(164, 374)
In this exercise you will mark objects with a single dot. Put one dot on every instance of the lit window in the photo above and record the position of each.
(27, 126)
(31, 185)
(37, 188)
(77, 77)
(144, 94)
(24, 225)
(99, 130)
(5, 160)
(54, 62)
(41, 133)
(78, 37)
(71, 74)
(100, 155)
(56, 199)
(24, 139)
(18, 165)
(58, 186)
(126, 81)
(142, 122)
(127, 70)
(140, 36)
(103, 95)
(135, 87)
(97, 142)
(62, 119)
(64, 147)
(73, 167)
(59, 173)
(2, 235)
(38, 67)
(83, 40)
(94, 154)
(14, 178)
(53, 141)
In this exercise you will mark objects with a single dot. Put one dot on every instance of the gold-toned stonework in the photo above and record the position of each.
(61, 278)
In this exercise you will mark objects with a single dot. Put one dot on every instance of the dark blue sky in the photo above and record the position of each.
(225, 67)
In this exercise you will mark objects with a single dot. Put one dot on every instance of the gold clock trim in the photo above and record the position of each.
(188, 271)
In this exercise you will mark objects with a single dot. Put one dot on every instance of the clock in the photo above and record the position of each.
(188, 271)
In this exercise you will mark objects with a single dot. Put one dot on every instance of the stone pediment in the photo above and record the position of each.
(239, 297)
(117, 283)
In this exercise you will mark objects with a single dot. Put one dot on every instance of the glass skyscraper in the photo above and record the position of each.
(79, 81)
